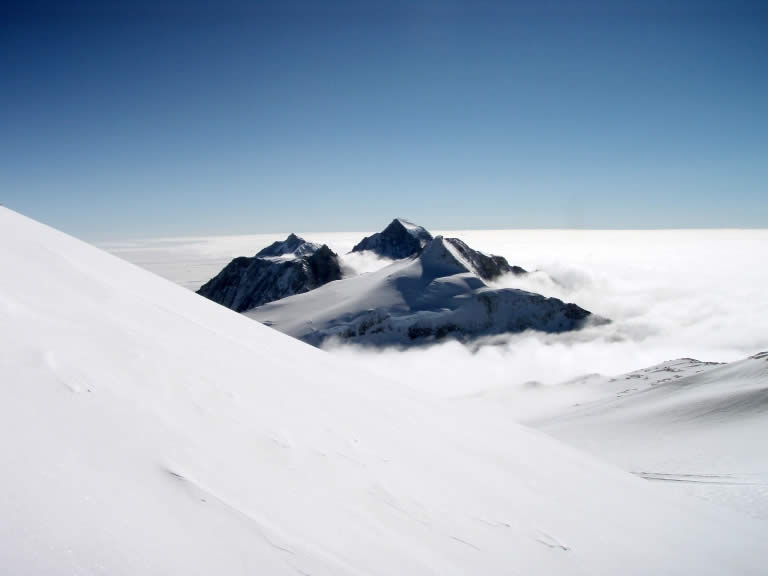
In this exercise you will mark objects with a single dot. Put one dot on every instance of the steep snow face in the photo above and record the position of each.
(145, 430)
(420, 300)
(282, 269)
(488, 267)
(400, 239)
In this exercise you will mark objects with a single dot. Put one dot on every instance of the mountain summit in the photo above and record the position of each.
(282, 269)
(440, 293)
(292, 246)
(400, 239)
(436, 288)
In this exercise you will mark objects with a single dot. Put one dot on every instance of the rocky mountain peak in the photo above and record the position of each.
(282, 269)
(292, 245)
(400, 239)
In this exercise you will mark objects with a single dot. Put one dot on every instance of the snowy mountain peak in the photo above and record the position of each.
(446, 254)
(439, 258)
(400, 239)
(419, 300)
(282, 269)
(410, 226)
(292, 246)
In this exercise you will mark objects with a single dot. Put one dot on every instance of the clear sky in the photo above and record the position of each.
(144, 121)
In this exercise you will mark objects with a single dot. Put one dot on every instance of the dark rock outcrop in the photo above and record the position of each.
(282, 269)
(400, 239)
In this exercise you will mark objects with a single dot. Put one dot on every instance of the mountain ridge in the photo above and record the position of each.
(419, 300)
(281, 269)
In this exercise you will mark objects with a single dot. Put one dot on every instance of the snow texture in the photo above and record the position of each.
(699, 425)
(146, 430)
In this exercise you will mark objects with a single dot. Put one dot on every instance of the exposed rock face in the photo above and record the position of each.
(481, 312)
(282, 269)
(487, 266)
(324, 267)
(400, 239)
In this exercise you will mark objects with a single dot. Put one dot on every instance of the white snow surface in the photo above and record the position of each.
(697, 427)
(146, 430)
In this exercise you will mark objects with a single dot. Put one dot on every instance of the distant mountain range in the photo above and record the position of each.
(435, 288)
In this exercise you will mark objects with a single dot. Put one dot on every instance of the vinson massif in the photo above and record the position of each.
(434, 288)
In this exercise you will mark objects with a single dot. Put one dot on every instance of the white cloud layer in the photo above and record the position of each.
(669, 294)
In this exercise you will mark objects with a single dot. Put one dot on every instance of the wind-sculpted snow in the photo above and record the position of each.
(279, 270)
(420, 300)
(145, 430)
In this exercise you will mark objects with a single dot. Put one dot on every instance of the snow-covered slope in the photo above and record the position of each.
(439, 293)
(146, 430)
(699, 427)
(282, 269)
(400, 239)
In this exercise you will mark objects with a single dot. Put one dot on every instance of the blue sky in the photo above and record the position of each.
(147, 120)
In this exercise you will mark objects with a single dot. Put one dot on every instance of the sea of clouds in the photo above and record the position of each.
(668, 293)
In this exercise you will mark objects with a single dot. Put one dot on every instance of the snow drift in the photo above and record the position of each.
(146, 430)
